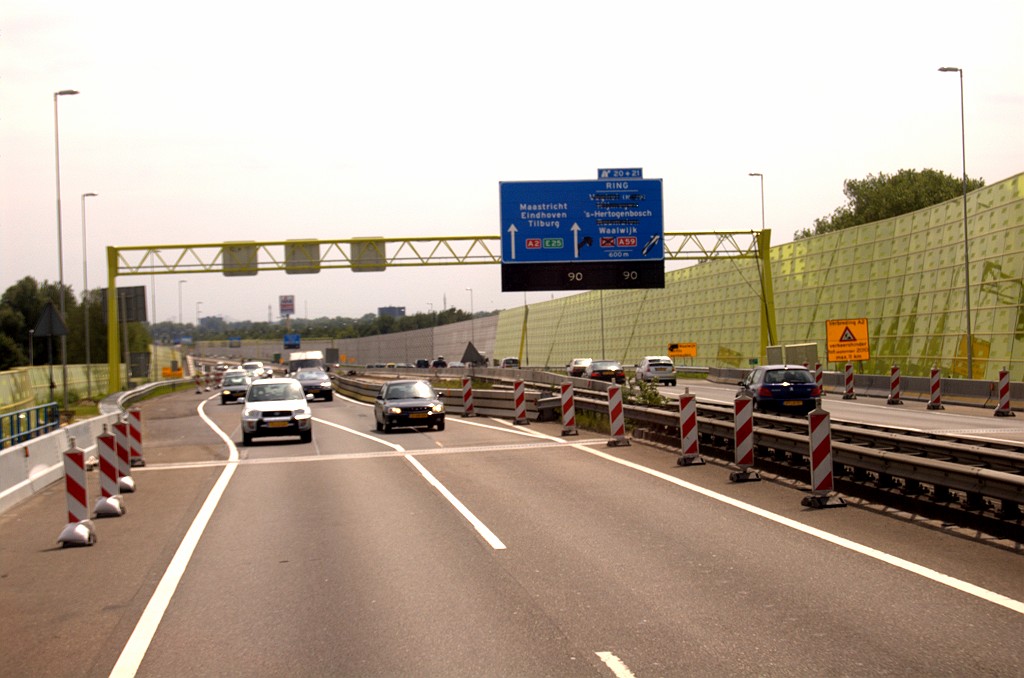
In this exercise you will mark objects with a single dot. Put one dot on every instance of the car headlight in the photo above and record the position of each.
(438, 408)
(251, 413)
(302, 413)
(393, 410)
(325, 384)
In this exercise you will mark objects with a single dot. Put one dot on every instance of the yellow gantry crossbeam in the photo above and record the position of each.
(247, 258)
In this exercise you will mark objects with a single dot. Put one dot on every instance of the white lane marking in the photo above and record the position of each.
(888, 558)
(138, 644)
(618, 667)
(482, 529)
(346, 429)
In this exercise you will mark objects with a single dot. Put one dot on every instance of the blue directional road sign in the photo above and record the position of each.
(607, 220)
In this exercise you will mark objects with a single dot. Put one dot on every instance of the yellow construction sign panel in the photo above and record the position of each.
(847, 340)
(682, 350)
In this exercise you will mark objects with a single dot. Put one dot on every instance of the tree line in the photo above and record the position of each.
(22, 305)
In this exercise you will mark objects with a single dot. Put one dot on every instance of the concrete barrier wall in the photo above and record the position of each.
(31, 466)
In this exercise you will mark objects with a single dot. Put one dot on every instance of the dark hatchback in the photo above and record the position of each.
(408, 402)
(316, 383)
(781, 388)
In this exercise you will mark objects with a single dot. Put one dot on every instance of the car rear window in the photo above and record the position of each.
(788, 377)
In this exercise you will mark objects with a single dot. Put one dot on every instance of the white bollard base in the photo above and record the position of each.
(521, 422)
(820, 501)
(619, 442)
(81, 533)
(689, 460)
(570, 432)
(108, 507)
(137, 462)
(126, 484)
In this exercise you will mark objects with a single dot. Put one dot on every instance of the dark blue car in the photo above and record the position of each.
(781, 388)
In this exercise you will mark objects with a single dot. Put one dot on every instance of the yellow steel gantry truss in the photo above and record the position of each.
(246, 258)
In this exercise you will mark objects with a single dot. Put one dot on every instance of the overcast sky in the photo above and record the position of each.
(204, 122)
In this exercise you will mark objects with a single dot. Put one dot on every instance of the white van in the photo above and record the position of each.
(510, 362)
(304, 359)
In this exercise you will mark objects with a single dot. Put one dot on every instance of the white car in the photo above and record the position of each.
(256, 370)
(658, 368)
(276, 407)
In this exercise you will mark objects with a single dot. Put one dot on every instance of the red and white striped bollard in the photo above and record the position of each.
(688, 430)
(894, 386)
(849, 394)
(110, 502)
(135, 436)
(568, 410)
(125, 482)
(822, 480)
(743, 425)
(616, 417)
(80, 530)
(1003, 409)
(467, 397)
(818, 378)
(935, 390)
(519, 398)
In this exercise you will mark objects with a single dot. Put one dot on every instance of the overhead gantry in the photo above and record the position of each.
(248, 258)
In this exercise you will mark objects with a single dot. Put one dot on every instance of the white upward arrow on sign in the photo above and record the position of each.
(575, 240)
(512, 231)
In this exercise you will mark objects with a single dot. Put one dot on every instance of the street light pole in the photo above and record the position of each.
(195, 341)
(60, 241)
(85, 300)
(180, 283)
(472, 317)
(967, 262)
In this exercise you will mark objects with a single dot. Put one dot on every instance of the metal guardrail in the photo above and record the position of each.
(32, 422)
(862, 455)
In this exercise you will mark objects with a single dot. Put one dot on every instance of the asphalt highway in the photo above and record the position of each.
(486, 549)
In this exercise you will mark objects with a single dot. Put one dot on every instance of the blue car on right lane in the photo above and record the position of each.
(781, 388)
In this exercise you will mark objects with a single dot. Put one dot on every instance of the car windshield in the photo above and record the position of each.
(265, 392)
(311, 375)
(788, 377)
(234, 380)
(417, 389)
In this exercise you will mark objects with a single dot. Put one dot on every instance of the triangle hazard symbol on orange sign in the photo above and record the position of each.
(847, 335)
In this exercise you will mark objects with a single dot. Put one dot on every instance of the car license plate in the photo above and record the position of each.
(793, 403)
(277, 424)
(418, 415)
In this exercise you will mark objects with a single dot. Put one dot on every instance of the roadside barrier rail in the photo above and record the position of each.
(32, 422)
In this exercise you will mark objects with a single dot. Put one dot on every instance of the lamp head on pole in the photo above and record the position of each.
(755, 174)
(65, 92)
(89, 195)
(949, 69)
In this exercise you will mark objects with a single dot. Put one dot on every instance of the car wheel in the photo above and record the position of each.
(380, 426)
(223, 401)
(306, 436)
(673, 382)
(246, 439)
(440, 425)
(329, 397)
(387, 427)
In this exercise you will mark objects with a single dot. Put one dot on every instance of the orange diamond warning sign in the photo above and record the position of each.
(847, 340)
